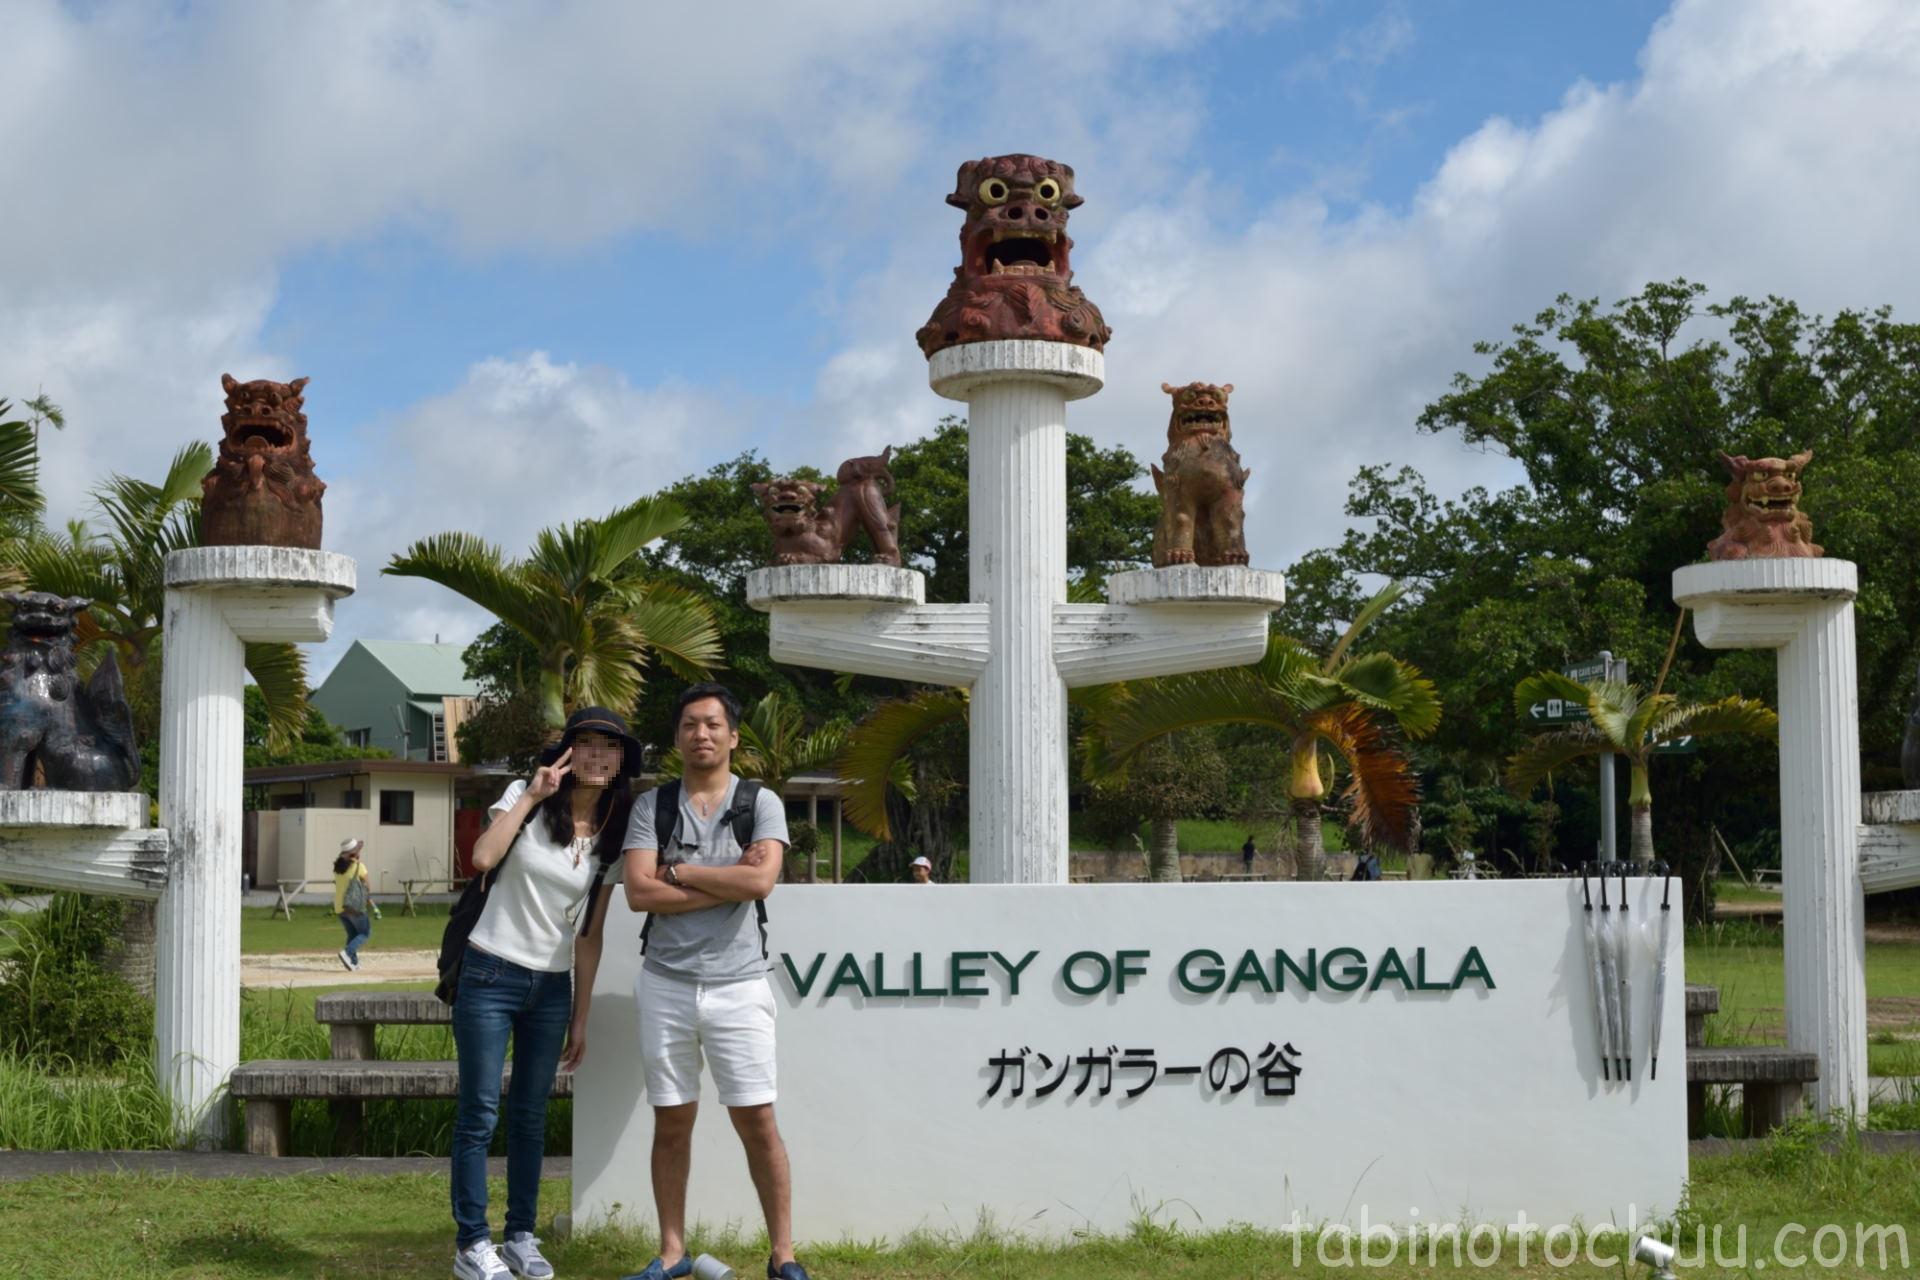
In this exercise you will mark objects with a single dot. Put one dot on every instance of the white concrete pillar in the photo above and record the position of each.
(1803, 608)
(1016, 394)
(218, 599)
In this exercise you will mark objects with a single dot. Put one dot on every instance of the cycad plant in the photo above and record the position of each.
(583, 600)
(1622, 721)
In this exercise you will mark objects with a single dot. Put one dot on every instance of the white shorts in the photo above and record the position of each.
(732, 1022)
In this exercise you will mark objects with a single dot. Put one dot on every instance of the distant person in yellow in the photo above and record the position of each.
(352, 900)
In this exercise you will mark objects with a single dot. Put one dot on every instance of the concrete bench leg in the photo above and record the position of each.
(351, 1041)
(1696, 1110)
(1768, 1105)
(269, 1126)
(349, 1126)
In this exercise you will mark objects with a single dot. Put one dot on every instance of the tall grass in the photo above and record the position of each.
(50, 1107)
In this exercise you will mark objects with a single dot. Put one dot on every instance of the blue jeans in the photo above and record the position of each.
(498, 997)
(359, 927)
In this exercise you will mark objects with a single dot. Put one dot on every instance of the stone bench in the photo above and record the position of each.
(1702, 1002)
(351, 1016)
(268, 1088)
(1771, 1081)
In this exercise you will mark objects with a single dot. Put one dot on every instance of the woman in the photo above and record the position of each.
(352, 900)
(564, 829)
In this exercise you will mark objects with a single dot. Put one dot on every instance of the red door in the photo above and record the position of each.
(467, 826)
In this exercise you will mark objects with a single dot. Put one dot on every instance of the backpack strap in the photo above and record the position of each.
(609, 851)
(666, 818)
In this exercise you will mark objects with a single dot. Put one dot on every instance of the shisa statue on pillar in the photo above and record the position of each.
(262, 491)
(1763, 519)
(804, 534)
(77, 737)
(1202, 484)
(1015, 279)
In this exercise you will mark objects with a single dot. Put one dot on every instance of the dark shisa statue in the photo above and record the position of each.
(262, 490)
(1014, 279)
(77, 737)
(804, 534)
(1763, 519)
(1202, 484)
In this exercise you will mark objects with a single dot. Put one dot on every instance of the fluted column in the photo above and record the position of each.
(218, 599)
(1803, 609)
(1016, 394)
(197, 954)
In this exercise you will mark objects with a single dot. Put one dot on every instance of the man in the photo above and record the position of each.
(703, 983)
(1246, 856)
(921, 870)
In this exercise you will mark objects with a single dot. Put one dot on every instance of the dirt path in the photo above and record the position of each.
(323, 969)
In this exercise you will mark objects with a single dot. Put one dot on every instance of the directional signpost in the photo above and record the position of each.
(1557, 711)
(1677, 747)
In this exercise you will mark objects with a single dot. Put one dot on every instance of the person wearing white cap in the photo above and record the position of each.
(922, 870)
(352, 900)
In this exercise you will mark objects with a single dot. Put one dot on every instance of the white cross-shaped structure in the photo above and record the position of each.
(1018, 645)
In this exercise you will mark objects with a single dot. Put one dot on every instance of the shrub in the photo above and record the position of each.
(57, 1004)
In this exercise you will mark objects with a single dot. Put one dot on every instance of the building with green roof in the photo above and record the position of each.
(406, 698)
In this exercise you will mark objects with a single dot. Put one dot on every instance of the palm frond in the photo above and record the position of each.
(606, 653)
(475, 568)
(1370, 612)
(1153, 709)
(280, 670)
(1382, 788)
(19, 469)
(1383, 682)
(1733, 714)
(679, 627)
(1646, 713)
(877, 747)
(1547, 753)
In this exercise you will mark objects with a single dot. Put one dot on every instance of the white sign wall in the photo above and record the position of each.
(1447, 1064)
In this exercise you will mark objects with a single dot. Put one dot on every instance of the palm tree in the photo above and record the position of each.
(1336, 707)
(21, 501)
(582, 600)
(1621, 721)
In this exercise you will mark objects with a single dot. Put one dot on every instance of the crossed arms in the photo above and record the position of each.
(700, 887)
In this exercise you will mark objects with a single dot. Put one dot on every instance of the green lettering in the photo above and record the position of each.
(847, 974)
(1472, 965)
(1249, 970)
(1351, 978)
(803, 985)
(1013, 970)
(1308, 977)
(1420, 974)
(959, 971)
(880, 987)
(919, 988)
(1213, 975)
(1099, 985)
(1122, 970)
(1390, 966)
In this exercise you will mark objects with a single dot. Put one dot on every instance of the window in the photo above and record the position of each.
(353, 798)
(359, 737)
(396, 808)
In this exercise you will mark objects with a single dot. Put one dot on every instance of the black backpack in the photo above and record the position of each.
(473, 899)
(666, 818)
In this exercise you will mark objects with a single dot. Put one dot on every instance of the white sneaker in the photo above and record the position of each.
(522, 1255)
(346, 960)
(480, 1261)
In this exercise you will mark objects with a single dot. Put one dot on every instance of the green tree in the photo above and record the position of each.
(1610, 419)
(1178, 776)
(1337, 704)
(584, 602)
(1623, 722)
(320, 739)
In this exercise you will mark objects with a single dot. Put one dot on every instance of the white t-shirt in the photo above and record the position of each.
(535, 902)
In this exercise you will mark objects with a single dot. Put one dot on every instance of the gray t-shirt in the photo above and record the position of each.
(716, 944)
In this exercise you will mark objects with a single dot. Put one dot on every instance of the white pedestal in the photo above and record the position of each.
(86, 841)
(218, 600)
(1804, 610)
(1889, 841)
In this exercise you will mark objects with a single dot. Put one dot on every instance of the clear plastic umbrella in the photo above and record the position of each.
(1660, 971)
(1593, 973)
(1610, 976)
(1623, 961)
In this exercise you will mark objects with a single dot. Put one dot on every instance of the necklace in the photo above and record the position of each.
(580, 845)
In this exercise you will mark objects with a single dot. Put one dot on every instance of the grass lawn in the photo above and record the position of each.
(313, 929)
(1733, 891)
(321, 1227)
(1752, 981)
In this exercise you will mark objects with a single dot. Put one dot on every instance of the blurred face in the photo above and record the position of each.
(921, 875)
(703, 736)
(597, 758)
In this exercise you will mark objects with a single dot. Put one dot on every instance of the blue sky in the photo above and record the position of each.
(501, 238)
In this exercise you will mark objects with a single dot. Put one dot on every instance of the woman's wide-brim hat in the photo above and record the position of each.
(598, 720)
(352, 845)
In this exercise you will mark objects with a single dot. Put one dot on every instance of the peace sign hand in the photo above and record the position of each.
(546, 779)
